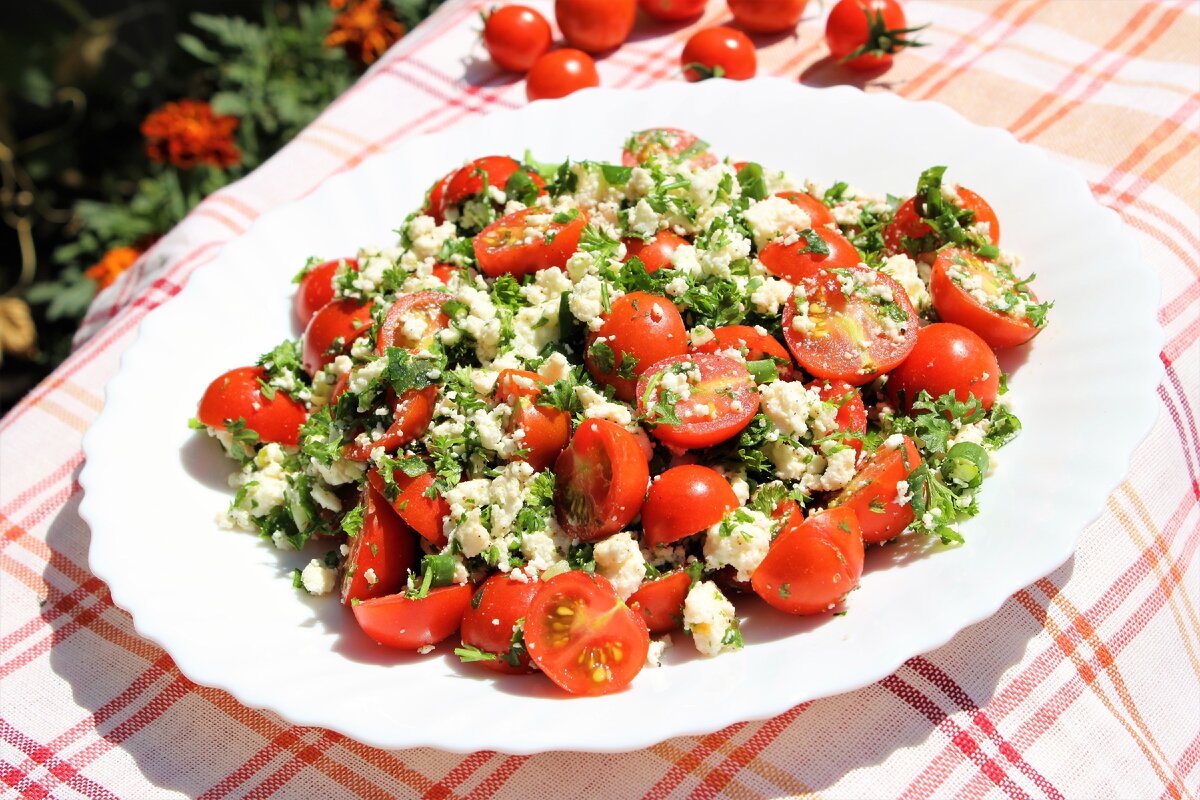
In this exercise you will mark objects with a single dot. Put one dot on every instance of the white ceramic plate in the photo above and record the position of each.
(220, 603)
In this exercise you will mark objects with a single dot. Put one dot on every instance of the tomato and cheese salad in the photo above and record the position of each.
(582, 406)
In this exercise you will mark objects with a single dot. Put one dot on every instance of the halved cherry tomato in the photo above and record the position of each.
(405, 623)
(955, 269)
(673, 10)
(515, 36)
(492, 616)
(411, 416)
(786, 511)
(855, 324)
(685, 500)
(381, 554)
(332, 331)
(560, 73)
(718, 53)
(595, 25)
(767, 16)
(852, 414)
(947, 358)
(238, 395)
(660, 601)
(600, 480)
(639, 330)
(435, 200)
(797, 260)
(812, 563)
(908, 222)
(671, 144)
(468, 181)
(583, 637)
(413, 322)
(316, 288)
(753, 343)
(425, 514)
(872, 494)
(526, 241)
(546, 429)
(717, 407)
(656, 253)
(819, 214)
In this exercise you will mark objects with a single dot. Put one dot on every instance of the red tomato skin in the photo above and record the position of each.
(412, 414)
(767, 16)
(238, 395)
(947, 358)
(385, 545)
(644, 326)
(316, 289)
(812, 563)
(825, 356)
(649, 148)
(786, 261)
(819, 214)
(500, 249)
(468, 181)
(907, 222)
(685, 500)
(341, 318)
(724, 49)
(560, 73)
(727, 422)
(660, 601)
(875, 484)
(504, 599)
(673, 10)
(846, 30)
(563, 655)
(391, 331)
(758, 346)
(595, 26)
(425, 515)
(629, 472)
(656, 253)
(786, 510)
(852, 414)
(954, 304)
(406, 624)
(435, 201)
(547, 429)
(515, 37)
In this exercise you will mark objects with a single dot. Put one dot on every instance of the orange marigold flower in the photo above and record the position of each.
(187, 133)
(109, 268)
(363, 28)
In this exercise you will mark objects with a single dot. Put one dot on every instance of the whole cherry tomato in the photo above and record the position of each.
(947, 358)
(516, 36)
(719, 53)
(767, 16)
(866, 34)
(673, 10)
(559, 73)
(595, 25)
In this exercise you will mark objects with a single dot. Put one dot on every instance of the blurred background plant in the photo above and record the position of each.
(117, 118)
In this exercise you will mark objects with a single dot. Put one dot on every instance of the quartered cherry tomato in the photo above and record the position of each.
(583, 637)
(873, 496)
(411, 415)
(545, 429)
(984, 296)
(803, 258)
(381, 553)
(528, 240)
(721, 399)
(425, 514)
(660, 601)
(639, 330)
(515, 36)
(752, 343)
(600, 480)
(947, 358)
(719, 53)
(812, 563)
(656, 253)
(685, 500)
(908, 223)
(490, 621)
(852, 414)
(238, 395)
(818, 213)
(316, 287)
(408, 623)
(671, 144)
(413, 322)
(850, 324)
(332, 331)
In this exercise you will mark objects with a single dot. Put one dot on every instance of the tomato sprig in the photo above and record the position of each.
(883, 40)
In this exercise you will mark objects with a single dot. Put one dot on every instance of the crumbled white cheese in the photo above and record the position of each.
(318, 578)
(620, 560)
(711, 619)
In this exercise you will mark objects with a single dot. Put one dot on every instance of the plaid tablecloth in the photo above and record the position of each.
(1085, 684)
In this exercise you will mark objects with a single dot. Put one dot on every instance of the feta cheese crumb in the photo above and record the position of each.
(740, 540)
(710, 618)
(619, 559)
(318, 578)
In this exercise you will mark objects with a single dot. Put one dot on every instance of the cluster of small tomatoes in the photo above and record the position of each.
(862, 34)
(576, 630)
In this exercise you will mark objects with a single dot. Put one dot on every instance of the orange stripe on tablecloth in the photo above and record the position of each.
(994, 17)
(1187, 258)
(203, 211)
(1148, 145)
(45, 483)
(1118, 80)
(1164, 162)
(313, 139)
(342, 133)
(84, 397)
(758, 765)
(1112, 47)
(53, 409)
(692, 762)
(748, 755)
(227, 198)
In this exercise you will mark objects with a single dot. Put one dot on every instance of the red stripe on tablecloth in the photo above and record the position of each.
(500, 776)
(41, 758)
(14, 777)
(936, 676)
(265, 755)
(455, 777)
(743, 755)
(686, 765)
(1182, 302)
(53, 607)
(1187, 760)
(305, 756)
(45, 483)
(486, 89)
(960, 738)
(1013, 695)
(1176, 417)
(1148, 145)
